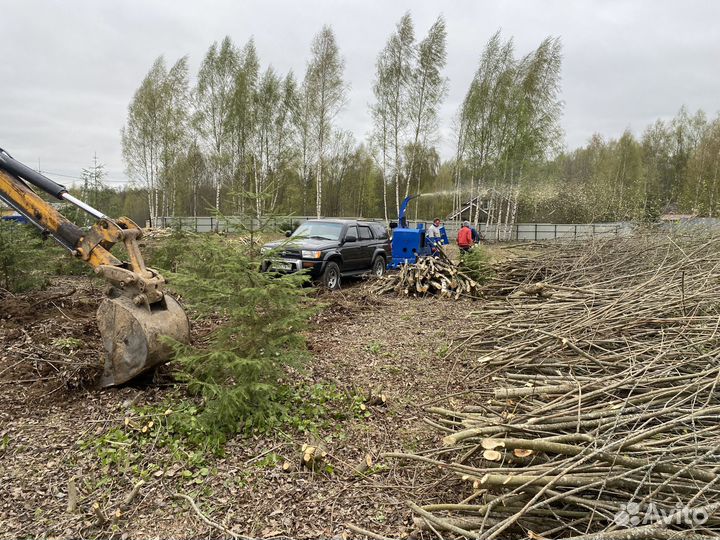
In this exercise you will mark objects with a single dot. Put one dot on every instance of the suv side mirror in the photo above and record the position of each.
(287, 234)
(393, 224)
(350, 238)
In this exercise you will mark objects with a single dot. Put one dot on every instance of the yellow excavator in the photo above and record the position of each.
(136, 311)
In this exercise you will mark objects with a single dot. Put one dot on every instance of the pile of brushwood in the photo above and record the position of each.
(597, 403)
(438, 276)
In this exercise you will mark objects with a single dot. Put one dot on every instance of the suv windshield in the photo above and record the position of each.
(319, 229)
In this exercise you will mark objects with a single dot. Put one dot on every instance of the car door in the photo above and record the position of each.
(366, 240)
(352, 251)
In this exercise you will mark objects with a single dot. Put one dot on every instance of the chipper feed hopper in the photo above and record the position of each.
(410, 244)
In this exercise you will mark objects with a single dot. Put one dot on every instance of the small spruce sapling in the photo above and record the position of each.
(239, 368)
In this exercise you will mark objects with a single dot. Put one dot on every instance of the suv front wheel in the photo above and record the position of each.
(378, 267)
(331, 276)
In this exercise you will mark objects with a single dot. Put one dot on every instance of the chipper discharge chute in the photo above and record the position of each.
(136, 312)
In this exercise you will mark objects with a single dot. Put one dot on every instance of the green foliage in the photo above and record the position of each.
(179, 429)
(378, 348)
(317, 407)
(124, 449)
(68, 343)
(21, 258)
(239, 369)
(670, 168)
(168, 253)
(270, 461)
(4, 442)
(27, 260)
(374, 347)
(476, 263)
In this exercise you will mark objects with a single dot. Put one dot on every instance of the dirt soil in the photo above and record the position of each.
(64, 444)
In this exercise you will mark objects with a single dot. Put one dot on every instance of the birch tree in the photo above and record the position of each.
(399, 55)
(380, 111)
(214, 93)
(242, 121)
(273, 138)
(302, 115)
(264, 104)
(156, 131)
(483, 112)
(428, 88)
(509, 119)
(341, 150)
(531, 131)
(326, 94)
(286, 139)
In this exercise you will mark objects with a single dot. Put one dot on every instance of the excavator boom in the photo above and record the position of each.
(137, 312)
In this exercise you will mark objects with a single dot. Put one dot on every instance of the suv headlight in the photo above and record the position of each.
(264, 250)
(311, 254)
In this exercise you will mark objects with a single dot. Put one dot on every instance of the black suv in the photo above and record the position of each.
(330, 249)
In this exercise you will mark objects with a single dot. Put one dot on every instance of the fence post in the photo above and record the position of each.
(517, 231)
(593, 229)
(536, 232)
(575, 234)
(556, 231)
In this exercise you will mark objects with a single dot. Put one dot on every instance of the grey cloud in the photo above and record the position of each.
(70, 69)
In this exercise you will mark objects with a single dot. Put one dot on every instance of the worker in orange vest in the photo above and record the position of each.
(465, 237)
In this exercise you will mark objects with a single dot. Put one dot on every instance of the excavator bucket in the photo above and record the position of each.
(132, 335)
(136, 316)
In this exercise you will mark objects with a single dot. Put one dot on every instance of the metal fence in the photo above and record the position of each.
(553, 231)
(238, 223)
(513, 232)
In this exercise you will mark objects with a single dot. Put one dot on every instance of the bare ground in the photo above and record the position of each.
(56, 433)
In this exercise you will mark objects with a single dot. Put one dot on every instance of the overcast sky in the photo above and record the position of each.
(68, 69)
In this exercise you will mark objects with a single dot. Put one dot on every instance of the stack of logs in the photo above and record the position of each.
(595, 408)
(438, 276)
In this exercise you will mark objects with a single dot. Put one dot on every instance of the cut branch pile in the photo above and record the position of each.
(599, 408)
(438, 276)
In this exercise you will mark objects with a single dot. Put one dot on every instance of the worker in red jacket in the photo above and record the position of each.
(465, 237)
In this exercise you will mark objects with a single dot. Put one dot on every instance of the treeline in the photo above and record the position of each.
(508, 153)
(674, 167)
(240, 138)
(246, 139)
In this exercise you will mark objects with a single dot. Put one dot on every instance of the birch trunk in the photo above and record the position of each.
(384, 188)
(507, 216)
(514, 211)
(472, 194)
(318, 180)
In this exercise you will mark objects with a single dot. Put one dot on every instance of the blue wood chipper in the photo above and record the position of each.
(410, 244)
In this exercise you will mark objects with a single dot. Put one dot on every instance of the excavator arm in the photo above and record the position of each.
(136, 312)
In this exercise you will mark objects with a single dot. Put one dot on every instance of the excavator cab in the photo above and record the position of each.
(137, 312)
